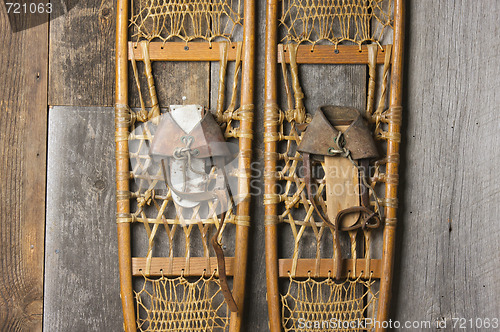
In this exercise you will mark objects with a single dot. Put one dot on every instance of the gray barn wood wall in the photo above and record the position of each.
(448, 234)
(23, 128)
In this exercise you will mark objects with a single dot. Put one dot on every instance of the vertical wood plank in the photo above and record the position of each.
(449, 234)
(23, 100)
(177, 83)
(81, 272)
(82, 62)
(82, 55)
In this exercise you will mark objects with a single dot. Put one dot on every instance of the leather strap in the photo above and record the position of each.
(333, 226)
(364, 165)
(365, 213)
(221, 266)
(222, 185)
(219, 192)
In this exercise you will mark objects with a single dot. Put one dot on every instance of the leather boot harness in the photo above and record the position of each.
(205, 140)
(322, 139)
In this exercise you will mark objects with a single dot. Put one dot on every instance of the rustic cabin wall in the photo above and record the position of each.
(81, 278)
(23, 127)
(448, 237)
(80, 258)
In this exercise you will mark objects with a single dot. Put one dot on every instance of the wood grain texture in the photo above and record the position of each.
(328, 54)
(180, 51)
(177, 83)
(449, 232)
(82, 62)
(82, 55)
(23, 100)
(307, 267)
(198, 266)
(81, 273)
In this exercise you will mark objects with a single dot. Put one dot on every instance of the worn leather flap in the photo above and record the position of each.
(206, 136)
(321, 132)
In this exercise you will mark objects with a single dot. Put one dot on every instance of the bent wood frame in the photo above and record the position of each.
(323, 54)
(173, 51)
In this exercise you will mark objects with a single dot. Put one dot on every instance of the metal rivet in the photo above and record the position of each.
(186, 48)
(336, 51)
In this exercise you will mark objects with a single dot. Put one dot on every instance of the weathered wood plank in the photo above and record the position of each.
(176, 83)
(449, 234)
(81, 271)
(23, 100)
(82, 55)
(82, 68)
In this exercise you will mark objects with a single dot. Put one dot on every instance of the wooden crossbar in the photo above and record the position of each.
(306, 267)
(181, 51)
(327, 54)
(197, 266)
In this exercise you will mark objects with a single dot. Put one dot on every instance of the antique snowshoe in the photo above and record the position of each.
(182, 189)
(331, 173)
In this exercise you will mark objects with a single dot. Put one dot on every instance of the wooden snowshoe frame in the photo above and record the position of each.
(363, 290)
(195, 39)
